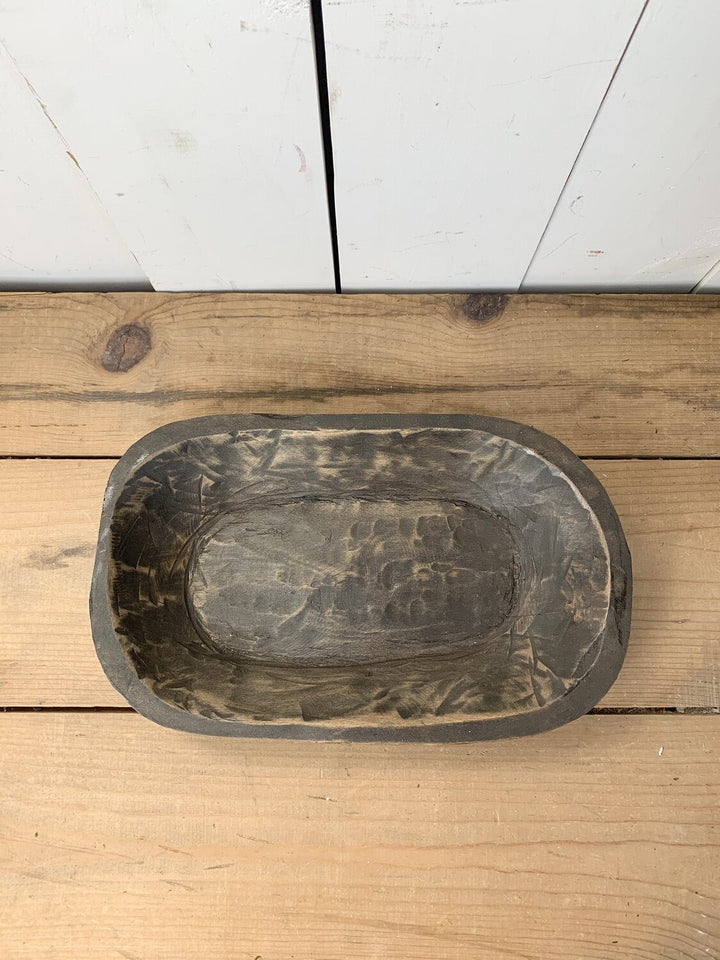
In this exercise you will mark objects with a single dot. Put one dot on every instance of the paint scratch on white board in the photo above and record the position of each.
(286, 8)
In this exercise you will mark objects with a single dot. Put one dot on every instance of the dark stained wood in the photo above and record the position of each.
(414, 577)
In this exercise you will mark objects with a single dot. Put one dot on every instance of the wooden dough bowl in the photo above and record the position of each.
(390, 577)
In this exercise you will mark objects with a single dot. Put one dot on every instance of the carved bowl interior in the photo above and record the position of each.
(379, 577)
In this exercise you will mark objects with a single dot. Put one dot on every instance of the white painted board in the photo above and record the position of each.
(197, 126)
(455, 124)
(641, 210)
(54, 233)
(710, 283)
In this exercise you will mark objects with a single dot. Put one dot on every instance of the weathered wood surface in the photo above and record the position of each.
(122, 839)
(670, 511)
(621, 376)
(390, 577)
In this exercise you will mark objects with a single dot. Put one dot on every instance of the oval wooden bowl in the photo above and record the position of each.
(390, 577)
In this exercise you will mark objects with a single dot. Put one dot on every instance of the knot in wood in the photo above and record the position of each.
(126, 347)
(483, 307)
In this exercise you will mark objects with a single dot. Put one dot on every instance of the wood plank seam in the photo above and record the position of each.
(316, 12)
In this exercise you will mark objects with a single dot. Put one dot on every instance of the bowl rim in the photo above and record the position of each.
(585, 695)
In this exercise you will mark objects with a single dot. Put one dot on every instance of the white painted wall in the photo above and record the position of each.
(53, 229)
(642, 207)
(455, 125)
(478, 144)
(196, 126)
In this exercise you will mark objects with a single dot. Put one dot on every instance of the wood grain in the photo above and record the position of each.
(670, 512)
(122, 839)
(624, 376)
(49, 528)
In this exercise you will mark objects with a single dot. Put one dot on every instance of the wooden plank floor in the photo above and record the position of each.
(121, 839)
(128, 840)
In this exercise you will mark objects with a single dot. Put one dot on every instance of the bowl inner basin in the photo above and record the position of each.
(316, 582)
(342, 575)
